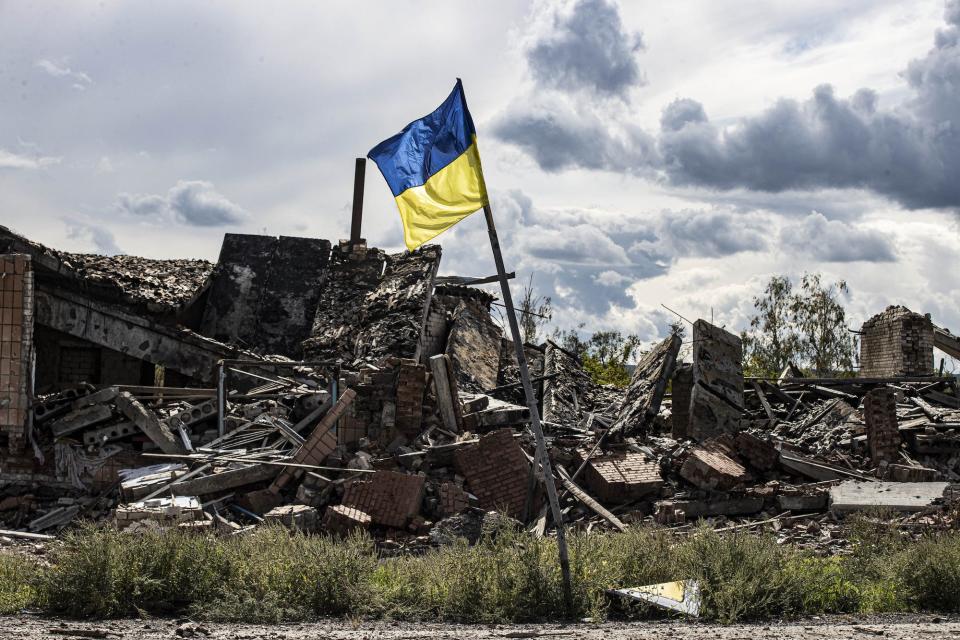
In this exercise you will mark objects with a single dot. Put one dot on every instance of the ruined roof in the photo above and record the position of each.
(159, 286)
(167, 283)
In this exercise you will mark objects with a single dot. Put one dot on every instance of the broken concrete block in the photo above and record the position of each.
(641, 402)
(109, 433)
(883, 434)
(759, 453)
(718, 506)
(147, 421)
(681, 388)
(296, 517)
(103, 396)
(81, 419)
(164, 511)
(622, 477)
(854, 495)
(389, 497)
(710, 466)
(343, 520)
(907, 473)
(716, 401)
(497, 472)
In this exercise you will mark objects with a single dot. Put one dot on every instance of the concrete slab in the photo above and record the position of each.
(853, 495)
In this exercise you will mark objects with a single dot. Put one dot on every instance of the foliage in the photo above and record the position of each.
(272, 575)
(605, 355)
(804, 327)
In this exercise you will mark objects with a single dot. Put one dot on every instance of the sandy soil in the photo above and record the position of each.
(839, 628)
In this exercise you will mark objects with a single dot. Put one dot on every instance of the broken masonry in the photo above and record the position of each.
(335, 388)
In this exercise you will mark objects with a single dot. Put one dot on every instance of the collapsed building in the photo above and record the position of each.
(338, 387)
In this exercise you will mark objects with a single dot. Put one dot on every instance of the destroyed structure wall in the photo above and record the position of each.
(16, 346)
(716, 400)
(896, 342)
(372, 305)
(264, 291)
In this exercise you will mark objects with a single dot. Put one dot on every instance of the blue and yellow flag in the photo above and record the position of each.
(433, 169)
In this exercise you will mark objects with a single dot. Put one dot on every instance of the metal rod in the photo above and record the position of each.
(359, 173)
(221, 398)
(542, 454)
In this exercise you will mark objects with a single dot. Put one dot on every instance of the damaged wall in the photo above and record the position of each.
(896, 342)
(16, 346)
(264, 291)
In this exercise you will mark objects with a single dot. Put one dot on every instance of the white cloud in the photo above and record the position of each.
(61, 70)
(190, 202)
(10, 160)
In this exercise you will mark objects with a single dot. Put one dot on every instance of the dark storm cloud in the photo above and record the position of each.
(190, 202)
(910, 154)
(710, 234)
(587, 48)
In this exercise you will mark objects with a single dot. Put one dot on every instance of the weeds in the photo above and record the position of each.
(272, 575)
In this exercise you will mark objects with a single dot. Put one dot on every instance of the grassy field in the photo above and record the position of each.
(271, 575)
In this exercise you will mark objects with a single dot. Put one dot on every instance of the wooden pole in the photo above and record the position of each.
(542, 454)
(359, 174)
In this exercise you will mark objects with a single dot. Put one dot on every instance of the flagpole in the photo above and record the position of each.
(542, 455)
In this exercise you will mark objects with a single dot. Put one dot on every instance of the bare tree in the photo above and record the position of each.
(535, 312)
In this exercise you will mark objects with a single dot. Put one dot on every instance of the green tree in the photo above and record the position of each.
(806, 327)
(771, 343)
(826, 346)
(605, 355)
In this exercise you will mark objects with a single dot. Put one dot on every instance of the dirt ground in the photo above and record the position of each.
(839, 628)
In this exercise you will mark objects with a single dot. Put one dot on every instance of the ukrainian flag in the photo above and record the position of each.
(433, 169)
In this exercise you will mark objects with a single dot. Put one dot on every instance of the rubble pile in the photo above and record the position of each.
(400, 413)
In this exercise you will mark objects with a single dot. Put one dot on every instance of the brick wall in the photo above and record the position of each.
(622, 477)
(896, 342)
(497, 472)
(411, 382)
(880, 414)
(16, 345)
(435, 330)
(388, 497)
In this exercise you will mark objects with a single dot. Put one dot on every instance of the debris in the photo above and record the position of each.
(682, 596)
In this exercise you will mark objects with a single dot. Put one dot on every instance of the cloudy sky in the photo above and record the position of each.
(638, 154)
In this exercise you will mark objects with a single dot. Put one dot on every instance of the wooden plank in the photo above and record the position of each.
(441, 384)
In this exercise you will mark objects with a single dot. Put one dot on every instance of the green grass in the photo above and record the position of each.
(272, 575)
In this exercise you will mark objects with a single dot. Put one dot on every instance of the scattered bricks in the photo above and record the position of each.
(880, 414)
(453, 499)
(904, 473)
(296, 517)
(759, 453)
(622, 477)
(682, 387)
(147, 420)
(343, 520)
(320, 444)
(411, 382)
(716, 401)
(896, 342)
(391, 498)
(497, 472)
(709, 466)
(667, 513)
